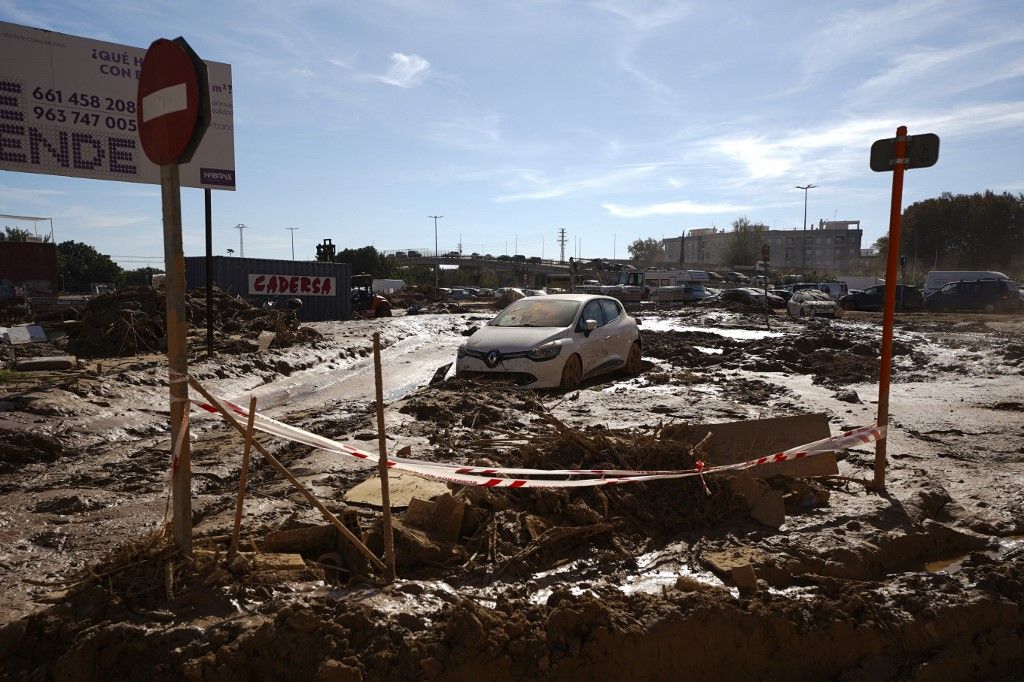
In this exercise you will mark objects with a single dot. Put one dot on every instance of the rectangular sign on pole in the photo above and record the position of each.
(68, 107)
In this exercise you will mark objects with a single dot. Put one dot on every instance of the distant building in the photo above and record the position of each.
(831, 246)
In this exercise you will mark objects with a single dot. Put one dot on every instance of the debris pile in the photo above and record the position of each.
(833, 358)
(132, 320)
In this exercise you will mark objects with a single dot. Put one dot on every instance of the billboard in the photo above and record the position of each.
(67, 107)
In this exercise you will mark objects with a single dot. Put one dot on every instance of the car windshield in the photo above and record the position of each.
(537, 312)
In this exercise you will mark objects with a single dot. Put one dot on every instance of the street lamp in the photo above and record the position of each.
(803, 240)
(437, 256)
(241, 242)
(292, 230)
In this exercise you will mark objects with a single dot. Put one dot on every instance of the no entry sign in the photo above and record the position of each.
(172, 107)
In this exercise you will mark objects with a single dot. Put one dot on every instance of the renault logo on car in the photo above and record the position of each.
(493, 357)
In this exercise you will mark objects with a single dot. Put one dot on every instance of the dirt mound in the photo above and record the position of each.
(132, 320)
(27, 447)
(835, 358)
(955, 626)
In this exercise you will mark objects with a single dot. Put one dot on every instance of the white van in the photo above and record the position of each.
(936, 279)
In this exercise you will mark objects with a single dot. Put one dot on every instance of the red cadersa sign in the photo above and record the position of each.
(296, 285)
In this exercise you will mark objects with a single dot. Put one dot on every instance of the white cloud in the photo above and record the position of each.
(406, 70)
(548, 190)
(647, 15)
(670, 208)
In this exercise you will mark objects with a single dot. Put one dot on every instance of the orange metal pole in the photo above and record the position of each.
(896, 208)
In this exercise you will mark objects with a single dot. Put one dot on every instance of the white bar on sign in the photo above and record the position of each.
(166, 101)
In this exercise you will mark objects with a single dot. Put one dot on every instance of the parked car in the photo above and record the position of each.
(534, 259)
(680, 293)
(474, 255)
(485, 293)
(401, 254)
(553, 341)
(873, 298)
(751, 296)
(736, 277)
(453, 254)
(415, 254)
(784, 294)
(990, 295)
(812, 303)
(514, 292)
(936, 279)
(535, 292)
(460, 294)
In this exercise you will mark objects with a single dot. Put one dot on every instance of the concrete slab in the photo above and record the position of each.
(54, 362)
(402, 488)
(733, 442)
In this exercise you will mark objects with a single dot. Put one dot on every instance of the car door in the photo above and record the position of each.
(616, 333)
(590, 347)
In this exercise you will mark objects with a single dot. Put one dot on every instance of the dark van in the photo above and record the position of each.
(989, 295)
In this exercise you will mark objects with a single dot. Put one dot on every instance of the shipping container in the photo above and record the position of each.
(322, 287)
(27, 269)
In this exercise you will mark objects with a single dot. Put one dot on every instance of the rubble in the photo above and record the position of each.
(132, 320)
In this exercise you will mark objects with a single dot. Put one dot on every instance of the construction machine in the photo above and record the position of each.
(365, 303)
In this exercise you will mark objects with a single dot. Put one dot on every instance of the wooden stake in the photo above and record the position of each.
(331, 518)
(233, 549)
(385, 493)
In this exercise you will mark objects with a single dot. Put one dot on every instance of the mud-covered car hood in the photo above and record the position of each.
(512, 339)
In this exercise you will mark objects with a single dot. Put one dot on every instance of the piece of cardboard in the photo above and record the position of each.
(733, 442)
(401, 487)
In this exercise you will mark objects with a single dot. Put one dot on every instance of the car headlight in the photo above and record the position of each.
(461, 352)
(546, 351)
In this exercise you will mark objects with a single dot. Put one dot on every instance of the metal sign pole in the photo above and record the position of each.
(209, 272)
(899, 164)
(177, 359)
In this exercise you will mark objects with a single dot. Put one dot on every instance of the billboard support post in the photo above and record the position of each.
(209, 271)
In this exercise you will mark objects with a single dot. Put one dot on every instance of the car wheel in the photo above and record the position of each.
(572, 373)
(803, 313)
(846, 305)
(633, 364)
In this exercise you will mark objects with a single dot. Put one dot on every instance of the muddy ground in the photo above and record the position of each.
(923, 581)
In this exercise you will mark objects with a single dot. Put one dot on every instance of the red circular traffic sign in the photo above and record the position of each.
(167, 103)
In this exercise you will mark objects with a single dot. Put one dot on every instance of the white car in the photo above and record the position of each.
(553, 341)
(812, 303)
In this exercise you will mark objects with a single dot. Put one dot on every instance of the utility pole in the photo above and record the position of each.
(803, 240)
(460, 243)
(614, 245)
(292, 230)
(437, 256)
(561, 243)
(241, 242)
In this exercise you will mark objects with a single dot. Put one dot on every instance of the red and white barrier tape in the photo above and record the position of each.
(523, 478)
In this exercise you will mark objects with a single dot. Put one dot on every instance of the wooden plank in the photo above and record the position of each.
(403, 487)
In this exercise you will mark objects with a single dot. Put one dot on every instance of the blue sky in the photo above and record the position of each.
(614, 119)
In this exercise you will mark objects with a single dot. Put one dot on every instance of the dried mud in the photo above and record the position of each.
(533, 584)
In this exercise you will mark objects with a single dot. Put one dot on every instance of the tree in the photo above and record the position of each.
(744, 244)
(981, 231)
(488, 279)
(139, 277)
(18, 234)
(80, 265)
(646, 251)
(364, 260)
